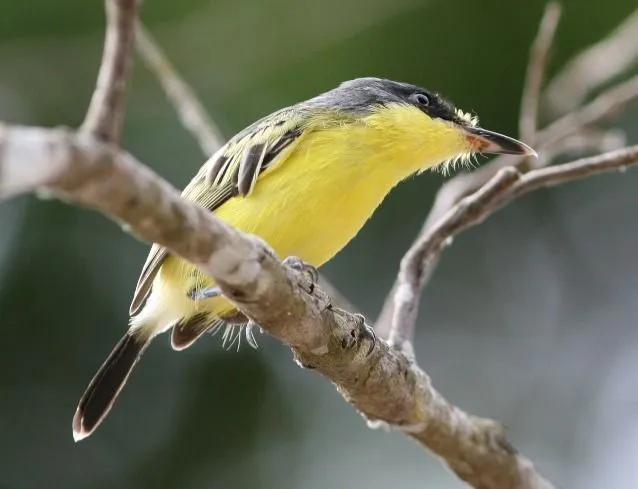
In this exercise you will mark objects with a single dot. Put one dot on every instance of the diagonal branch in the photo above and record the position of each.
(504, 187)
(418, 261)
(449, 194)
(602, 107)
(190, 110)
(617, 160)
(536, 69)
(594, 67)
(548, 141)
(106, 111)
(605, 105)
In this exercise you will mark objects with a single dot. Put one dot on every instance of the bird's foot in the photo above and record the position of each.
(308, 270)
(207, 293)
(366, 332)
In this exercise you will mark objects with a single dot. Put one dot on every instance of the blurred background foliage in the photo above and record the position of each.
(531, 318)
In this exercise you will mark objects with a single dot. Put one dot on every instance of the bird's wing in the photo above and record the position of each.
(232, 171)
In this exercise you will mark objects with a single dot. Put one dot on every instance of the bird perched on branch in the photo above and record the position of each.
(305, 179)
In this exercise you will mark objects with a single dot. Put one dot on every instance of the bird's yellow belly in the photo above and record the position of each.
(308, 211)
(295, 219)
(331, 184)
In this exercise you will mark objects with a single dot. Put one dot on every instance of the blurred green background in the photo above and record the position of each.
(531, 318)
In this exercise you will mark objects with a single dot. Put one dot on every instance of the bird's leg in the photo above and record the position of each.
(293, 262)
(207, 293)
(298, 264)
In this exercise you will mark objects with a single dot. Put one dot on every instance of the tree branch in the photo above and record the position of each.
(594, 67)
(550, 141)
(602, 107)
(605, 105)
(106, 111)
(536, 69)
(190, 110)
(389, 323)
(505, 186)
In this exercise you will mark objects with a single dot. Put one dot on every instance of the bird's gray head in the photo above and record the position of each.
(361, 95)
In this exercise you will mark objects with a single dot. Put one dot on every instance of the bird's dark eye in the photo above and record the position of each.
(422, 99)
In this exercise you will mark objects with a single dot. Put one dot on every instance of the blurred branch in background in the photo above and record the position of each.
(552, 142)
(536, 68)
(398, 317)
(190, 110)
(505, 186)
(593, 68)
(383, 383)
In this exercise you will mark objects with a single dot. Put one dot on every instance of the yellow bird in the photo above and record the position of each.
(305, 179)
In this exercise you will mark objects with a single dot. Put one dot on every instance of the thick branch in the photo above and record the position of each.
(106, 110)
(385, 386)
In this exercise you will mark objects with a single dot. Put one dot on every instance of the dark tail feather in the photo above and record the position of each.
(187, 332)
(106, 385)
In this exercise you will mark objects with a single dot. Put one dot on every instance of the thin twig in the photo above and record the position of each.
(504, 187)
(416, 262)
(605, 105)
(550, 142)
(105, 114)
(618, 160)
(536, 69)
(591, 140)
(594, 67)
(190, 110)
(450, 193)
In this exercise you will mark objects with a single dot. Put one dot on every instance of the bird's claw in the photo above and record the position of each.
(366, 332)
(298, 264)
(207, 293)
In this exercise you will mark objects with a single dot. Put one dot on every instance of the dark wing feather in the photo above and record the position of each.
(250, 167)
(231, 171)
(207, 197)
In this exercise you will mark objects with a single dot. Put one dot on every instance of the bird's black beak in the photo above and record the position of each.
(484, 141)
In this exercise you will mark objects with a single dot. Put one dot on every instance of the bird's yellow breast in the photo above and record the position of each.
(315, 201)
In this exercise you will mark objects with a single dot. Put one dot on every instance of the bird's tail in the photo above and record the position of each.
(97, 400)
